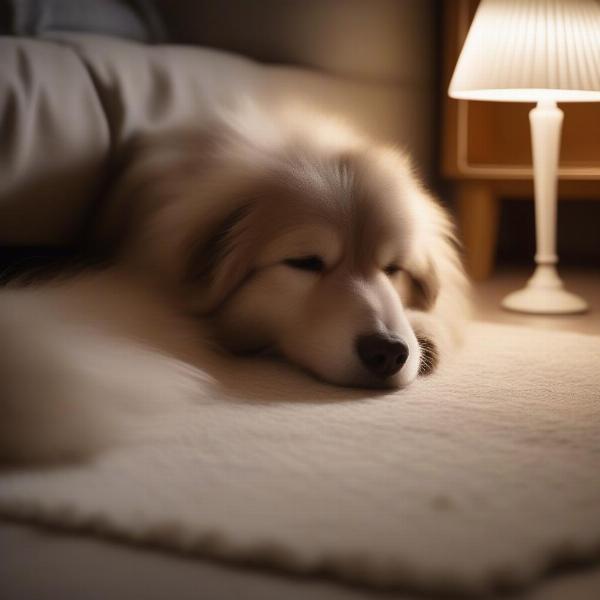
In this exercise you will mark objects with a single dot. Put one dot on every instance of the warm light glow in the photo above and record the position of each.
(531, 50)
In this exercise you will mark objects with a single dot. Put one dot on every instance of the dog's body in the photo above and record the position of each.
(294, 235)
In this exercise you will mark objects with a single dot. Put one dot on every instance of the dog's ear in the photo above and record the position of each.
(217, 265)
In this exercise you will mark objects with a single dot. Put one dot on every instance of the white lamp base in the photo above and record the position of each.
(545, 294)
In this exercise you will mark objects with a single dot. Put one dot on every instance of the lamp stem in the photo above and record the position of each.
(544, 293)
(546, 124)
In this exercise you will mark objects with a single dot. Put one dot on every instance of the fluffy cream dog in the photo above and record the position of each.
(285, 234)
(296, 235)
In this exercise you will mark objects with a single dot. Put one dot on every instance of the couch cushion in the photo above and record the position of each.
(151, 88)
(54, 141)
(68, 105)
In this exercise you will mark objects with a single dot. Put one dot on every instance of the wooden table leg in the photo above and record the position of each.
(478, 215)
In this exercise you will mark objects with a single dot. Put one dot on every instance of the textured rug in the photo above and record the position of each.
(486, 474)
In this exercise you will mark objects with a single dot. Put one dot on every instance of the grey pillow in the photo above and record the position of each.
(133, 19)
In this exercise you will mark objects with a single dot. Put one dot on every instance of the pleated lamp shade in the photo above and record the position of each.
(531, 50)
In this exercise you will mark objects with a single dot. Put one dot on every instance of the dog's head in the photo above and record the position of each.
(319, 248)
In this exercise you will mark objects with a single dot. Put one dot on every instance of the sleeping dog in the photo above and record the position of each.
(296, 235)
(291, 235)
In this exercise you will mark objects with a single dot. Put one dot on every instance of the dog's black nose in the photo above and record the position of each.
(382, 354)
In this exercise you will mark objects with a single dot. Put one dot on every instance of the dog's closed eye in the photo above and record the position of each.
(306, 263)
(392, 269)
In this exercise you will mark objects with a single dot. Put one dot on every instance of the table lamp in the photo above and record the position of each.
(542, 51)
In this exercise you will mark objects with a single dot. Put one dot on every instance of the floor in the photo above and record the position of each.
(46, 565)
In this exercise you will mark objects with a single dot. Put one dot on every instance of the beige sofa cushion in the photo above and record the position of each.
(68, 105)
(149, 88)
(54, 142)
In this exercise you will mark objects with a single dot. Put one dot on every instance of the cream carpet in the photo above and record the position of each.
(485, 474)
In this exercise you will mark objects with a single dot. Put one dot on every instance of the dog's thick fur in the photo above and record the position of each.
(291, 234)
(222, 215)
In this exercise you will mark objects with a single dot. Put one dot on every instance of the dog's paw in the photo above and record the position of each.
(432, 337)
(429, 355)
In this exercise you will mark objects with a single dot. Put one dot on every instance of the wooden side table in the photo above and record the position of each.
(486, 151)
